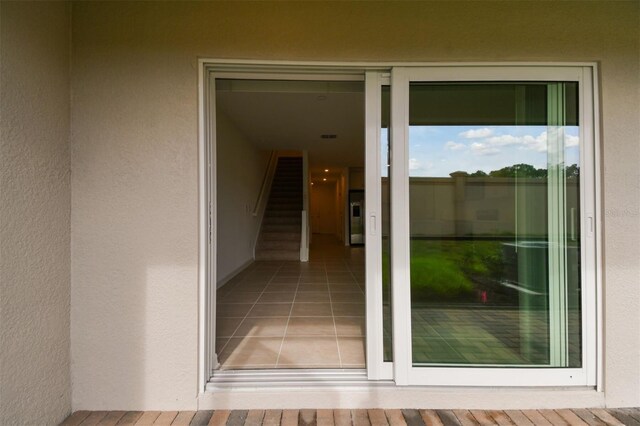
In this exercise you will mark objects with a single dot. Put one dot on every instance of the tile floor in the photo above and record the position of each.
(284, 314)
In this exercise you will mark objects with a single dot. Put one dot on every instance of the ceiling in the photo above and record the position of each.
(293, 115)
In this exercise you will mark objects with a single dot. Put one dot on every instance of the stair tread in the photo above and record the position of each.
(280, 232)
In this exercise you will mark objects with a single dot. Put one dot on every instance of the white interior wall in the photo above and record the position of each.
(35, 201)
(240, 172)
(134, 161)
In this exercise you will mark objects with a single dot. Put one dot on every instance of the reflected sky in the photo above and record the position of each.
(437, 151)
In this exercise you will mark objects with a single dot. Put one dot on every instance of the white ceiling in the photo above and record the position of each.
(293, 116)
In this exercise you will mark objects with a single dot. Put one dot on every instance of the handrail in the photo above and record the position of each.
(268, 174)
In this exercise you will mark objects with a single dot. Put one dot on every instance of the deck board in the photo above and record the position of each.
(94, 418)
(76, 418)
(112, 418)
(289, 418)
(219, 418)
(482, 417)
(395, 417)
(606, 417)
(201, 418)
(272, 417)
(625, 418)
(361, 417)
(378, 418)
(307, 418)
(412, 417)
(465, 417)
(430, 418)
(553, 417)
(448, 418)
(588, 417)
(518, 418)
(325, 418)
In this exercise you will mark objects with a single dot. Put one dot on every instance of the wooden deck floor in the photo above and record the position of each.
(624, 416)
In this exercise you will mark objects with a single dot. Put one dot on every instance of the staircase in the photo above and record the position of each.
(280, 233)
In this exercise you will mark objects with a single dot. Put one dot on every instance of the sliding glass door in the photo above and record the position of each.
(491, 236)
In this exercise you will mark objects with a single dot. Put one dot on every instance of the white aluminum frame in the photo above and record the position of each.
(376, 368)
(401, 370)
(405, 372)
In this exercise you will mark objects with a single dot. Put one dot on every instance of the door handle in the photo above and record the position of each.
(372, 224)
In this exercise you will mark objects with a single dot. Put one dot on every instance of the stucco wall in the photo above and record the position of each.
(35, 381)
(134, 158)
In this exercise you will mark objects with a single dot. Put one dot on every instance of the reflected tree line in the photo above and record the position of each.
(524, 171)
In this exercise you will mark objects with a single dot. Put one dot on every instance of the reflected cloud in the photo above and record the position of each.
(477, 133)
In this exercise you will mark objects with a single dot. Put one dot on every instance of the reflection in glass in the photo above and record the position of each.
(494, 224)
(385, 158)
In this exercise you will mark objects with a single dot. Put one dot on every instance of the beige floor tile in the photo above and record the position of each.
(339, 274)
(255, 281)
(350, 326)
(280, 297)
(311, 310)
(262, 327)
(233, 310)
(254, 288)
(311, 326)
(287, 274)
(251, 351)
(220, 343)
(351, 350)
(309, 351)
(340, 280)
(270, 310)
(225, 327)
(313, 287)
(347, 297)
(236, 296)
(299, 365)
(291, 287)
(284, 280)
(348, 309)
(313, 296)
(342, 287)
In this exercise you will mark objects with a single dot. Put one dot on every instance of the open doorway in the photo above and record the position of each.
(290, 286)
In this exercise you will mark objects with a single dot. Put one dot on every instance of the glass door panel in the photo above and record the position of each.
(385, 219)
(494, 224)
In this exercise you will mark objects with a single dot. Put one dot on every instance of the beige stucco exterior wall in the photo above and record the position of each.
(134, 158)
(35, 201)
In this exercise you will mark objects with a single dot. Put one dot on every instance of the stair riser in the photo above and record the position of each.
(281, 236)
(280, 245)
(282, 220)
(282, 213)
(280, 233)
(273, 227)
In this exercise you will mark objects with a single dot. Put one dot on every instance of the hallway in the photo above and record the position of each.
(286, 314)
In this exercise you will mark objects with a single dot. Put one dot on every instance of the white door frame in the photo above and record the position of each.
(403, 375)
(208, 72)
(404, 372)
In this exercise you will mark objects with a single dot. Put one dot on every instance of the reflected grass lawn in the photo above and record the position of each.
(446, 270)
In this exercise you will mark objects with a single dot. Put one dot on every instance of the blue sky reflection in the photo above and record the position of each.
(437, 151)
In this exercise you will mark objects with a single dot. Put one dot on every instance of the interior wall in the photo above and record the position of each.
(240, 172)
(323, 208)
(35, 200)
(135, 157)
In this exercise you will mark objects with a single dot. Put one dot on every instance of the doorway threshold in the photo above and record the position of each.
(289, 378)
